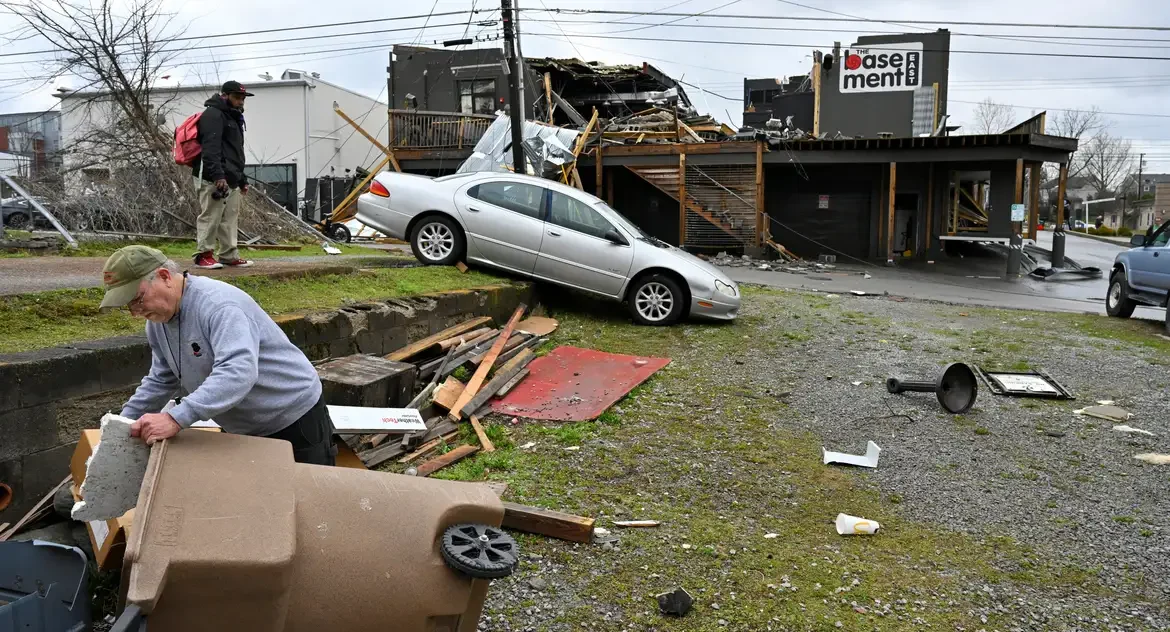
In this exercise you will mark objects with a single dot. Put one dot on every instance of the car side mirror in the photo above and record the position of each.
(615, 237)
(1137, 241)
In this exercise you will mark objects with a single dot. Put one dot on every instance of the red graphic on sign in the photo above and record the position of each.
(853, 62)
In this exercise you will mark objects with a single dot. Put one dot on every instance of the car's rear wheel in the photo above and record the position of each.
(1117, 300)
(437, 240)
(656, 300)
(17, 221)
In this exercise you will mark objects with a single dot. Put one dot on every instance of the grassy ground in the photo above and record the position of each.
(722, 464)
(46, 319)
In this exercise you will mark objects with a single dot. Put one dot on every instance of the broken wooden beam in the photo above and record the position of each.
(502, 376)
(516, 340)
(448, 393)
(434, 465)
(554, 524)
(428, 446)
(376, 456)
(416, 348)
(486, 366)
(455, 341)
(519, 377)
(484, 441)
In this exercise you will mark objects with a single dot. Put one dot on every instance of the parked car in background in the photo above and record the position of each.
(17, 213)
(547, 231)
(1141, 275)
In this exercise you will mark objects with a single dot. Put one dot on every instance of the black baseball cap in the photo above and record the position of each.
(234, 87)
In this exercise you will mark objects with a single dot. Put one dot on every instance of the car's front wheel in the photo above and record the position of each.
(437, 241)
(1117, 300)
(656, 300)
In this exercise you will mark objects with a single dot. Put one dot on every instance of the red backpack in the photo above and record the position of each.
(187, 147)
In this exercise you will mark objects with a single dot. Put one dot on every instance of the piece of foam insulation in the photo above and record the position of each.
(113, 473)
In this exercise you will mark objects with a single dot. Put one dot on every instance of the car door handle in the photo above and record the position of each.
(1155, 254)
(473, 209)
(554, 233)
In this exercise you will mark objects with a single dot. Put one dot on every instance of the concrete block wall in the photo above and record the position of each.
(48, 396)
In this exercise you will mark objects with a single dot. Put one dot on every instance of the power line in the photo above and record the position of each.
(187, 38)
(869, 46)
(669, 22)
(817, 19)
(1039, 108)
(1057, 40)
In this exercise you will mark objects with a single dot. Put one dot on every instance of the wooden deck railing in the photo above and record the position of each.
(415, 129)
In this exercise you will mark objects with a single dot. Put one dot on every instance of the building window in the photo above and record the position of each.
(477, 97)
(279, 182)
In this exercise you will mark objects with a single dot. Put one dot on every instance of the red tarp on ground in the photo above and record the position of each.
(573, 384)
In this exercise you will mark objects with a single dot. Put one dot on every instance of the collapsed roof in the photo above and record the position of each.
(615, 90)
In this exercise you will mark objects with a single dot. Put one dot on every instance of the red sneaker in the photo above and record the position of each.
(237, 263)
(206, 261)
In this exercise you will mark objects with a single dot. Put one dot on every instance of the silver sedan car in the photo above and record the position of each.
(548, 231)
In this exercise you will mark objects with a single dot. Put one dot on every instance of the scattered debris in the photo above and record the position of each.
(771, 536)
(427, 468)
(330, 250)
(43, 508)
(857, 383)
(485, 367)
(359, 420)
(677, 602)
(1105, 402)
(502, 377)
(636, 524)
(1124, 428)
(1108, 413)
(1036, 383)
(537, 325)
(431, 343)
(554, 524)
(574, 384)
(572, 448)
(956, 388)
(1067, 274)
(857, 292)
(870, 459)
(114, 472)
(484, 441)
(528, 446)
(1154, 458)
(462, 267)
(852, 525)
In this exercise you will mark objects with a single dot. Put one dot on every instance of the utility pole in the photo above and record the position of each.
(508, 17)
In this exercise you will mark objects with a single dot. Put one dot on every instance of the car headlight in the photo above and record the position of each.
(725, 289)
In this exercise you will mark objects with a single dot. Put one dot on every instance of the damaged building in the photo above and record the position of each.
(853, 159)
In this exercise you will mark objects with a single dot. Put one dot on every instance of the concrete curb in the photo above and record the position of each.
(1107, 240)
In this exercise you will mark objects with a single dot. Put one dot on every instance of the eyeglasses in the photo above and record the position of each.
(137, 302)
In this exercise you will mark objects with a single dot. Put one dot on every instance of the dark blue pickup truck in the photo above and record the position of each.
(1141, 275)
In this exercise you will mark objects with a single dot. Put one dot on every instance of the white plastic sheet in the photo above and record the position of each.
(546, 146)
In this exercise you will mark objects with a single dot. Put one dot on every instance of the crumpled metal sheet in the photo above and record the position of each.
(548, 148)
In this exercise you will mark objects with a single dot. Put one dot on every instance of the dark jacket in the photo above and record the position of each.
(221, 135)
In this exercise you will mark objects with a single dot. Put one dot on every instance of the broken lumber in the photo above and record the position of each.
(460, 266)
(512, 383)
(415, 348)
(376, 456)
(531, 343)
(516, 340)
(463, 338)
(447, 394)
(434, 465)
(37, 509)
(486, 366)
(506, 373)
(428, 446)
(484, 441)
(554, 524)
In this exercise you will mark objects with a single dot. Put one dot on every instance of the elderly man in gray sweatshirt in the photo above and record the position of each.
(211, 341)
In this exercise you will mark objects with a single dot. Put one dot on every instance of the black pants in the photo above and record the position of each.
(311, 437)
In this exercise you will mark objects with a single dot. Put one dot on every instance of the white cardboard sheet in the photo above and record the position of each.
(359, 419)
(869, 459)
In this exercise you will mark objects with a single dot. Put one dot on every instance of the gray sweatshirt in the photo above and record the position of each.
(233, 363)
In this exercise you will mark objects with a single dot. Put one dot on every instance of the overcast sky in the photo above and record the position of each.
(1137, 86)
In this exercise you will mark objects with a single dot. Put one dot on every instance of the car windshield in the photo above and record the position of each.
(620, 219)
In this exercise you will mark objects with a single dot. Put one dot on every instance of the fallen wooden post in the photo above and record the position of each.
(512, 383)
(434, 465)
(485, 367)
(415, 348)
(502, 377)
(554, 524)
(32, 514)
(484, 441)
(427, 447)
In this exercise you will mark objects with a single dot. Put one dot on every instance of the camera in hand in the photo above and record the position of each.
(220, 194)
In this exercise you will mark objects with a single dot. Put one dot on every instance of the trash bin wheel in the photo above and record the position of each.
(479, 551)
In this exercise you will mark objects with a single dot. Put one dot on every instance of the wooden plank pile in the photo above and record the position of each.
(496, 359)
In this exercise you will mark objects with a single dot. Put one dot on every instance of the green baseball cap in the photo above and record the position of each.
(125, 270)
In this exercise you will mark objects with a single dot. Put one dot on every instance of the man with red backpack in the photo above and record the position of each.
(220, 168)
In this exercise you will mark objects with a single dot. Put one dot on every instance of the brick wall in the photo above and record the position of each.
(48, 396)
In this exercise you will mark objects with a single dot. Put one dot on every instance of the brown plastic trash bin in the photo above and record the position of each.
(233, 535)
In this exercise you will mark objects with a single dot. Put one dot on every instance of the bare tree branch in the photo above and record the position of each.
(992, 118)
(1108, 160)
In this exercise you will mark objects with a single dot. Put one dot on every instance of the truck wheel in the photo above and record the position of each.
(1117, 301)
(479, 551)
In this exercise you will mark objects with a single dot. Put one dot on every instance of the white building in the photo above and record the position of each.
(292, 132)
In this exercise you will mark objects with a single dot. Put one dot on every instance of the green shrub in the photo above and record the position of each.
(1105, 231)
(1124, 232)
(1092, 230)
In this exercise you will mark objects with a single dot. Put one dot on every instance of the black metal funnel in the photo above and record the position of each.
(956, 388)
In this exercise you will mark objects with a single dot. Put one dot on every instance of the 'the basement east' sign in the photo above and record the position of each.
(882, 68)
